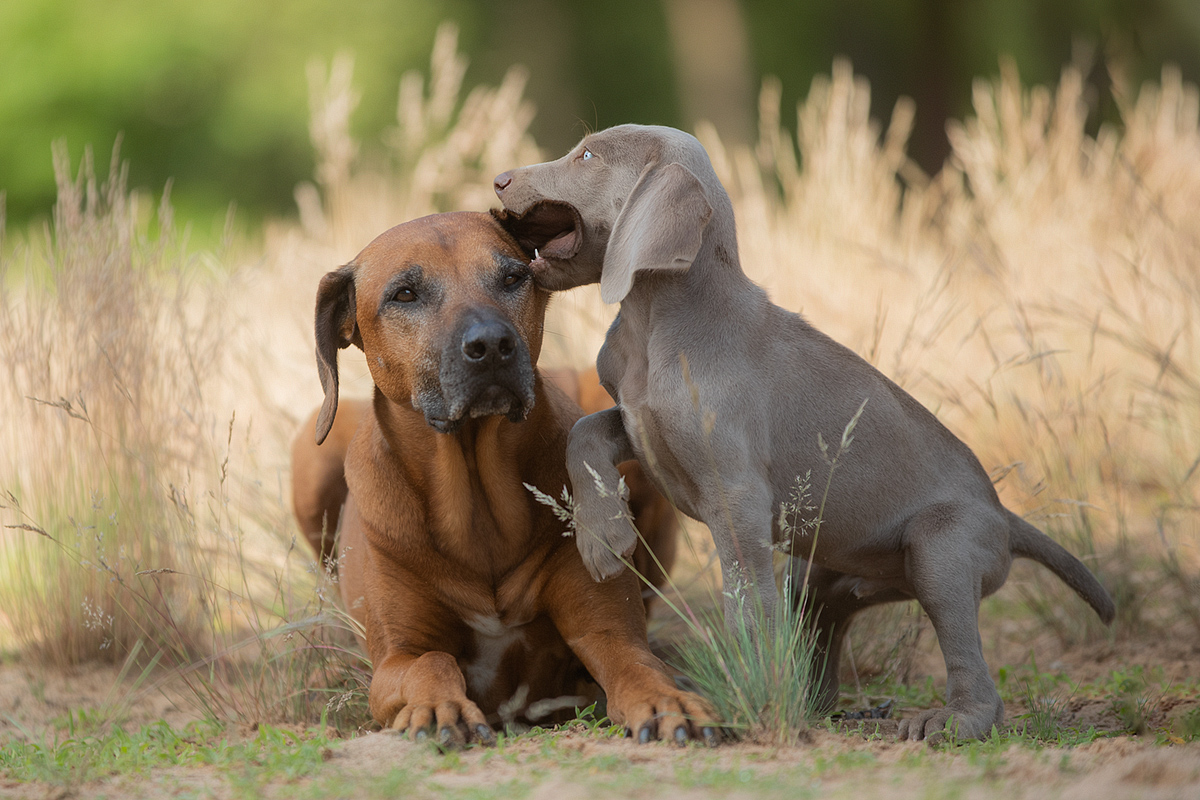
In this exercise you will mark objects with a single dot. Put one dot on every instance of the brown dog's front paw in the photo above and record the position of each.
(453, 723)
(659, 711)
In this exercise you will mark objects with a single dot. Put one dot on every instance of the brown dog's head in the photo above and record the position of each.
(447, 314)
(623, 200)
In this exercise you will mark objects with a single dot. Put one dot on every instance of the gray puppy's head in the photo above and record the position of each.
(626, 199)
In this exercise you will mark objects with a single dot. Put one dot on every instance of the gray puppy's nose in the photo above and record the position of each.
(501, 182)
(489, 342)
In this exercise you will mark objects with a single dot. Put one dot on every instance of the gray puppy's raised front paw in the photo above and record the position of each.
(605, 538)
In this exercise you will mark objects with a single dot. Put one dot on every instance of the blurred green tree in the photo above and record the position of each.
(214, 94)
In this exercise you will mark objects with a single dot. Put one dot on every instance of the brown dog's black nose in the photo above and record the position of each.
(501, 182)
(489, 342)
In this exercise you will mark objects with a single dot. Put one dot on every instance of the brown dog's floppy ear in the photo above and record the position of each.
(660, 227)
(336, 328)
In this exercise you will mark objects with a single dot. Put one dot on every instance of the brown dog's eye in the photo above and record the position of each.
(404, 295)
(513, 278)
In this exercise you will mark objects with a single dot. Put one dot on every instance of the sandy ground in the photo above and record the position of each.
(573, 764)
(851, 762)
(568, 764)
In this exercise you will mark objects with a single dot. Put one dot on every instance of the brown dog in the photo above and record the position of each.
(469, 594)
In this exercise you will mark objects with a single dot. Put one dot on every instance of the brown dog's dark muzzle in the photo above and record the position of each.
(485, 370)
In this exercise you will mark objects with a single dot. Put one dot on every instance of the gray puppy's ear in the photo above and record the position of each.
(660, 227)
(336, 328)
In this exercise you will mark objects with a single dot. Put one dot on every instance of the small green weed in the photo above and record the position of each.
(1131, 699)
(1045, 702)
(587, 720)
(1185, 727)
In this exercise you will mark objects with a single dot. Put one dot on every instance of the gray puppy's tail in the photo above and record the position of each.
(1028, 542)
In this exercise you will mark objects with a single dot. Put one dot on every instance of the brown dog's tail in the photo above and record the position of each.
(1029, 542)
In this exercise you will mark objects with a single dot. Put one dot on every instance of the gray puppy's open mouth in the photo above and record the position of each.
(549, 229)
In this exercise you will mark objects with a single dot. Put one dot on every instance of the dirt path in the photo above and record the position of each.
(563, 765)
(570, 765)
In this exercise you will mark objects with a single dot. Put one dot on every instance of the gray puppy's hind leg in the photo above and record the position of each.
(604, 531)
(942, 564)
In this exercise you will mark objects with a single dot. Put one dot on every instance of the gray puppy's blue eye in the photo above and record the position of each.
(586, 154)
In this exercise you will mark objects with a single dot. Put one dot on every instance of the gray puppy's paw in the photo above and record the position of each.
(937, 724)
(605, 540)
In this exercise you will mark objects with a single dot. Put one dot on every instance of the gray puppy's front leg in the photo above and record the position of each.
(604, 529)
(739, 518)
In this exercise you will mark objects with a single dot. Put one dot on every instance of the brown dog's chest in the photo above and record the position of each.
(501, 662)
(490, 619)
(488, 586)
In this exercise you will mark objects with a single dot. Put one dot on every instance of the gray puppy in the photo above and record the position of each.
(722, 395)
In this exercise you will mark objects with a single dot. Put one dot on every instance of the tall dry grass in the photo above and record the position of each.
(441, 155)
(135, 530)
(105, 360)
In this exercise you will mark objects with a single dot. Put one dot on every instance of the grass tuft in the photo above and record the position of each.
(759, 673)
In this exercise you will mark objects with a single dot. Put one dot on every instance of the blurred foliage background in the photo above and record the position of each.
(214, 95)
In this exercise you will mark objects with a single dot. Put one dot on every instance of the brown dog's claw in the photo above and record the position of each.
(710, 737)
(644, 734)
(485, 735)
(681, 736)
(447, 737)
